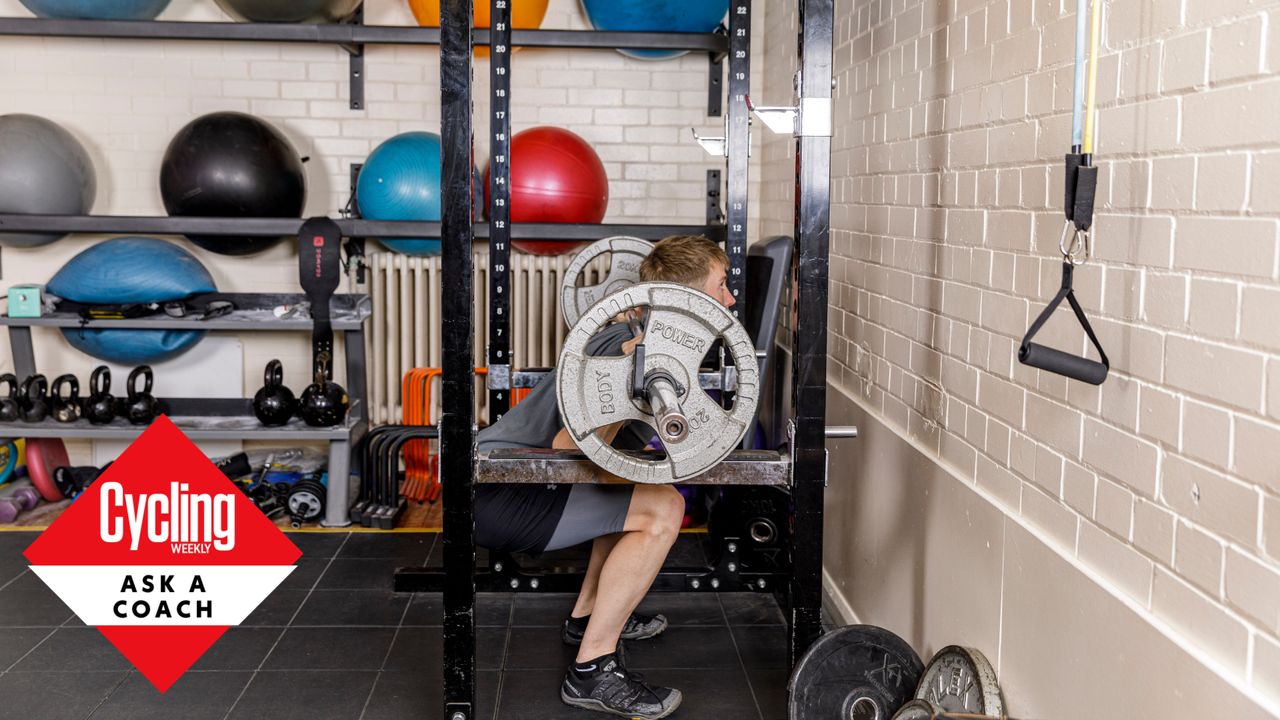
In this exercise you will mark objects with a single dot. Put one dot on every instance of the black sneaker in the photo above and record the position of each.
(606, 686)
(637, 627)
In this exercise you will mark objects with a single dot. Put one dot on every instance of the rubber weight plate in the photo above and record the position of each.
(625, 254)
(680, 328)
(857, 672)
(918, 709)
(959, 679)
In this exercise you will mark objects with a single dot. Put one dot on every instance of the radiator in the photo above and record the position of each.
(404, 331)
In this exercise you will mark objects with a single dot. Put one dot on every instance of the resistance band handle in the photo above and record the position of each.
(319, 271)
(1086, 189)
(1071, 172)
(1056, 361)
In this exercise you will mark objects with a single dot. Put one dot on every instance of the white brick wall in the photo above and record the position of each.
(125, 99)
(951, 121)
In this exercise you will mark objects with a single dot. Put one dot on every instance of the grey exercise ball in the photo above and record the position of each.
(290, 11)
(44, 170)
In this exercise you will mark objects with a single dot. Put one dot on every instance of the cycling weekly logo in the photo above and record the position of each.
(162, 554)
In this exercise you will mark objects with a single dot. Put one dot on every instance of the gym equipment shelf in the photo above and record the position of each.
(225, 418)
(354, 35)
(351, 227)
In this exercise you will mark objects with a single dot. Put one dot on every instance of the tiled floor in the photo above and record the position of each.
(334, 642)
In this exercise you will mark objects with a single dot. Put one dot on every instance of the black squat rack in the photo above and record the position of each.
(807, 462)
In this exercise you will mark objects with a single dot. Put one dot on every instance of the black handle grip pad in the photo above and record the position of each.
(1056, 361)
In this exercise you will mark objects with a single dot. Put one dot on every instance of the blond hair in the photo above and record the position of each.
(683, 259)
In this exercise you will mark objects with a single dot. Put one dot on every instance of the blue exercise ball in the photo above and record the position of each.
(97, 9)
(688, 16)
(44, 170)
(400, 180)
(132, 270)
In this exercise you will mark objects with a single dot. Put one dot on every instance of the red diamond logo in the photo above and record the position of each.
(162, 554)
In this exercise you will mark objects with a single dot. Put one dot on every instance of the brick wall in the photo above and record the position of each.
(125, 99)
(951, 121)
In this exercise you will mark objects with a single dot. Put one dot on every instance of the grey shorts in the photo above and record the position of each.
(590, 512)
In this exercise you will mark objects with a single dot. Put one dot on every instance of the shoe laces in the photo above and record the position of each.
(634, 678)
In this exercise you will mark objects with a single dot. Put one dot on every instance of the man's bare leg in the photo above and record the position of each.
(652, 526)
(600, 549)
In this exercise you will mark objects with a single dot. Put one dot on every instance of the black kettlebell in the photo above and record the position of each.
(33, 395)
(65, 408)
(140, 406)
(324, 403)
(10, 409)
(274, 403)
(100, 407)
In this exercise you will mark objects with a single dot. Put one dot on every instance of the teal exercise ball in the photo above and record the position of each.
(97, 9)
(672, 16)
(130, 270)
(400, 180)
(44, 170)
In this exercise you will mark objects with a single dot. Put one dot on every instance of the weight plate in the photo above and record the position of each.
(682, 324)
(624, 271)
(856, 672)
(918, 709)
(959, 679)
(44, 455)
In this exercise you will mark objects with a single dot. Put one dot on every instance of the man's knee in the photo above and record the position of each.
(663, 510)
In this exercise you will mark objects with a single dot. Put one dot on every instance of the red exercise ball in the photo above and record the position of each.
(555, 178)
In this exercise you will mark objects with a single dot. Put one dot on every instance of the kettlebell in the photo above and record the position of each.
(324, 402)
(65, 408)
(140, 406)
(34, 398)
(100, 407)
(10, 409)
(274, 403)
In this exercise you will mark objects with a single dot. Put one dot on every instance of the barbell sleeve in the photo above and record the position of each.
(672, 425)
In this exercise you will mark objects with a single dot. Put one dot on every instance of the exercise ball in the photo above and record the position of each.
(97, 9)
(229, 164)
(290, 11)
(43, 171)
(131, 270)
(688, 16)
(401, 181)
(555, 178)
(525, 15)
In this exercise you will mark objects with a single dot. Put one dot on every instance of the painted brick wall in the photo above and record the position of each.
(124, 100)
(951, 121)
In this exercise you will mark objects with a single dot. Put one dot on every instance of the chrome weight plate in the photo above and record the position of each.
(856, 672)
(959, 679)
(918, 709)
(680, 328)
(624, 270)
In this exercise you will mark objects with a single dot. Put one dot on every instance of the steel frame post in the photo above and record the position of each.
(738, 142)
(457, 421)
(809, 342)
(499, 208)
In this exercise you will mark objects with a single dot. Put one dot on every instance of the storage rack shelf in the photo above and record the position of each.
(225, 418)
(351, 228)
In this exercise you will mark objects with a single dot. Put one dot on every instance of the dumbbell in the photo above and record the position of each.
(657, 384)
(15, 499)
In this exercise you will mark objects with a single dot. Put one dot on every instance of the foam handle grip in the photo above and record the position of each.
(1056, 361)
